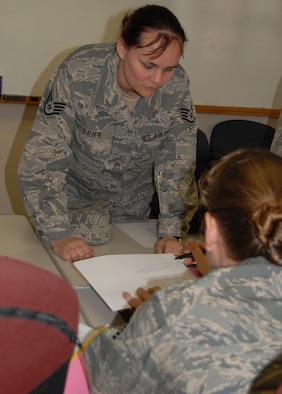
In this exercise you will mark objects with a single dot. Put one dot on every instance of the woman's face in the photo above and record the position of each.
(140, 74)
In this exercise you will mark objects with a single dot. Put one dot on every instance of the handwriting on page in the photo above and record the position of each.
(110, 275)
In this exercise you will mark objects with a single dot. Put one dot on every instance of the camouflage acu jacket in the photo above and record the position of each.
(212, 335)
(85, 146)
(276, 146)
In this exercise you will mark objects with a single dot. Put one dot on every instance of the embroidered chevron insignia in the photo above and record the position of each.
(187, 114)
(53, 107)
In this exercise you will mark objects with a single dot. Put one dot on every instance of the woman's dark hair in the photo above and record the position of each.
(152, 17)
(243, 191)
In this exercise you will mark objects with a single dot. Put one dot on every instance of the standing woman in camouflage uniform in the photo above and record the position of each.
(114, 120)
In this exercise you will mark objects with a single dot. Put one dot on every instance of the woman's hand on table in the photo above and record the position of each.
(171, 245)
(72, 249)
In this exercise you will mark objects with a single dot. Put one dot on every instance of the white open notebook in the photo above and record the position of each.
(111, 274)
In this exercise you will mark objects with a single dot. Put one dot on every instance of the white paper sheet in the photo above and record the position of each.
(110, 275)
(143, 233)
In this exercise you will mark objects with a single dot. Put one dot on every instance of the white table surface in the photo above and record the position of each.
(18, 240)
(94, 311)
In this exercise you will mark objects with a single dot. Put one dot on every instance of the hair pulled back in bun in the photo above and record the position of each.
(268, 228)
(243, 190)
(152, 18)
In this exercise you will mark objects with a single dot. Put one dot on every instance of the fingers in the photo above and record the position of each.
(72, 249)
(196, 249)
(199, 256)
(202, 246)
(160, 246)
(132, 301)
(184, 249)
(170, 245)
(142, 296)
(152, 290)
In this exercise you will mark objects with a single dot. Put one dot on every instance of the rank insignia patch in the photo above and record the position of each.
(187, 114)
(53, 107)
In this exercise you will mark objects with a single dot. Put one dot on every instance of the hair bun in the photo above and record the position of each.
(268, 227)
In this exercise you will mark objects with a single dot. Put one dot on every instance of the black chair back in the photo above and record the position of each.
(230, 135)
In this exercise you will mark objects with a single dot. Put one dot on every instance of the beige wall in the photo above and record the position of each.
(233, 56)
(15, 123)
(227, 59)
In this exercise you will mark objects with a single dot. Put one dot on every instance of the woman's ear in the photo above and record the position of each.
(211, 231)
(121, 47)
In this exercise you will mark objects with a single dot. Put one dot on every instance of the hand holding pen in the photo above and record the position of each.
(187, 256)
(196, 256)
(169, 244)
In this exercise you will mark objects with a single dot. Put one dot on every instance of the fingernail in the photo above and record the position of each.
(191, 242)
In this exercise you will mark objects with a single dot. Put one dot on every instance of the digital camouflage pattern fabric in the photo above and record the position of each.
(276, 146)
(85, 147)
(212, 335)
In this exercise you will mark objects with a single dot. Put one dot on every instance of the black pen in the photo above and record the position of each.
(191, 265)
(184, 256)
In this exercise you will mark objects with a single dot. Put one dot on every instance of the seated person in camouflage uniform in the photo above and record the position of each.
(115, 122)
(216, 333)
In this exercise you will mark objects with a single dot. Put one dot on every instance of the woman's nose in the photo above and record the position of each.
(157, 78)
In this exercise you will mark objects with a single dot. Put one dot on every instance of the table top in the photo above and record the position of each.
(18, 240)
(93, 308)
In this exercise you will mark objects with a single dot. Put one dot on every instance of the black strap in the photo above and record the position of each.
(42, 317)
